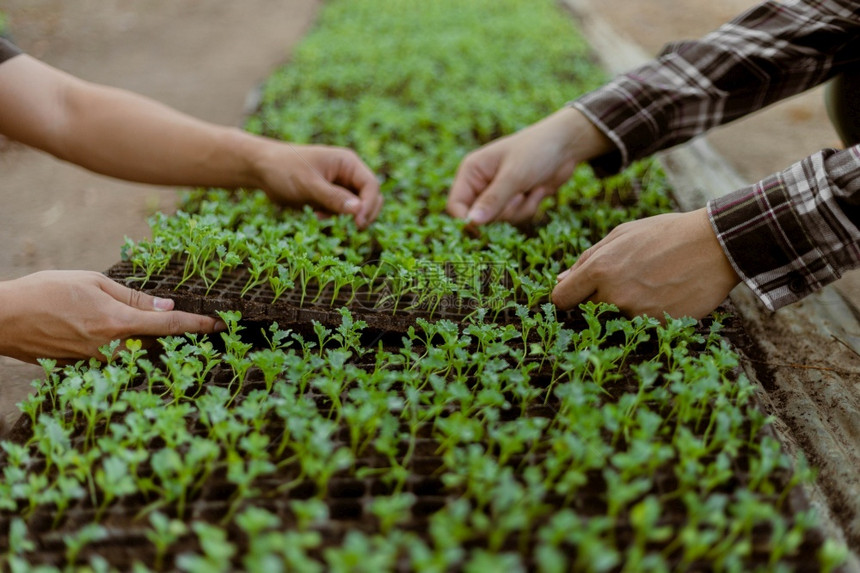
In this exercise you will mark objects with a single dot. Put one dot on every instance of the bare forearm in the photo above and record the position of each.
(119, 133)
(128, 136)
(124, 135)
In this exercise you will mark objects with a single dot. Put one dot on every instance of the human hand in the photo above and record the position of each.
(669, 263)
(68, 315)
(508, 178)
(332, 179)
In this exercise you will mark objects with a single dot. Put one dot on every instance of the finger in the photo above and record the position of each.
(573, 289)
(587, 253)
(526, 207)
(492, 201)
(460, 199)
(371, 198)
(368, 211)
(533, 201)
(583, 258)
(468, 184)
(171, 323)
(355, 174)
(378, 202)
(140, 320)
(134, 298)
(511, 211)
(335, 199)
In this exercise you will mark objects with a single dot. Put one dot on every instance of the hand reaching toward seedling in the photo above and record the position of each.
(508, 178)
(332, 179)
(669, 263)
(122, 134)
(68, 315)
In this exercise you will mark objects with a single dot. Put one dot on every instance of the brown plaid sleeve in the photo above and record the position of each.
(795, 231)
(775, 50)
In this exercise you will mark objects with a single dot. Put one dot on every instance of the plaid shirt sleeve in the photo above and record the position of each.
(797, 230)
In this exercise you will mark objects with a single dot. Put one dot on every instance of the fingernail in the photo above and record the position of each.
(162, 304)
(351, 204)
(220, 326)
(561, 275)
(478, 216)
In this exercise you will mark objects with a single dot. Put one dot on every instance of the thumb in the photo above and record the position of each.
(135, 298)
(492, 201)
(158, 323)
(573, 287)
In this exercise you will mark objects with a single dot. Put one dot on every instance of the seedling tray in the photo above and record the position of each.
(260, 304)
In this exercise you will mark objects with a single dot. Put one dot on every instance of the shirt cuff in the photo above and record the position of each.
(609, 163)
(786, 236)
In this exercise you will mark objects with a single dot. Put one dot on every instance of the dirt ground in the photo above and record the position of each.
(204, 59)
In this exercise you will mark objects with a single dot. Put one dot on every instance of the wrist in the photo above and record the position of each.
(582, 140)
(712, 245)
(250, 158)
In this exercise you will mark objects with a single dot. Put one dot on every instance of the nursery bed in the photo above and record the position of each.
(427, 421)
(348, 496)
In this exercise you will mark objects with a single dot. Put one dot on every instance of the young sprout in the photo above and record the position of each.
(165, 532)
(226, 261)
(280, 339)
(114, 480)
(19, 543)
(264, 544)
(257, 266)
(75, 542)
(280, 281)
(309, 512)
(392, 510)
(217, 551)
